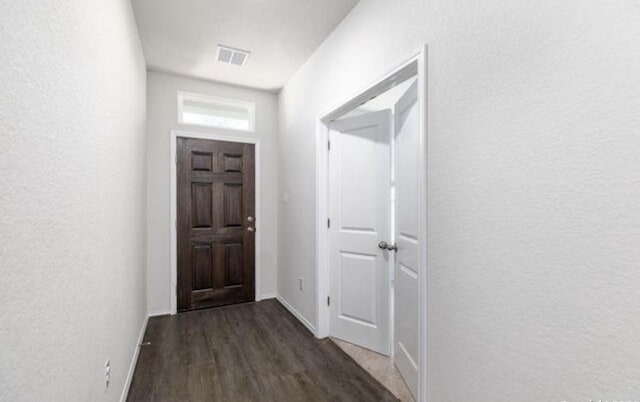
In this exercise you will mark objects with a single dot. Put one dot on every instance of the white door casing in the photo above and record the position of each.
(406, 233)
(360, 178)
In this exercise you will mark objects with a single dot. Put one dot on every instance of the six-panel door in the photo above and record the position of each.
(216, 223)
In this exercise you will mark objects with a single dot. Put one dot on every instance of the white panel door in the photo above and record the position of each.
(406, 270)
(360, 180)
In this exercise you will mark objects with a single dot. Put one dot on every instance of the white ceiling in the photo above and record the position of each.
(181, 36)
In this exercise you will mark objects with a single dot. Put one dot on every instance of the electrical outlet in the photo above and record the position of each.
(301, 284)
(107, 373)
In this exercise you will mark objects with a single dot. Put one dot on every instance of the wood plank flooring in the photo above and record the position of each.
(247, 352)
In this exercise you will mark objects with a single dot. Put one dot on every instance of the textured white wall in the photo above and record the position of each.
(162, 118)
(534, 182)
(72, 198)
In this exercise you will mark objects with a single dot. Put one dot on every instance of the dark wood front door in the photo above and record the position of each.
(216, 223)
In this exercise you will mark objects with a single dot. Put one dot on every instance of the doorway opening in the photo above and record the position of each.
(372, 219)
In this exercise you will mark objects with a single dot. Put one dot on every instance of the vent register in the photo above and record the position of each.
(229, 55)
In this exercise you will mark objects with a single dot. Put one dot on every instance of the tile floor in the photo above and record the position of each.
(380, 367)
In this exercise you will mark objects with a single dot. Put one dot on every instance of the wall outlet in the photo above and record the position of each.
(107, 373)
(301, 284)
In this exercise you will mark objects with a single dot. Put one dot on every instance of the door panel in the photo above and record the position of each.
(406, 270)
(232, 196)
(216, 244)
(358, 287)
(360, 215)
(201, 205)
(202, 256)
(233, 264)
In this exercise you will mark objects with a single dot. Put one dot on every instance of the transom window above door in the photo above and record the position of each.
(210, 111)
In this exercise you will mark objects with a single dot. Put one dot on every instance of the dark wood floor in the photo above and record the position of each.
(247, 352)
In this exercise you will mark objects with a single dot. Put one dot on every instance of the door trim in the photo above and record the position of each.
(414, 64)
(174, 209)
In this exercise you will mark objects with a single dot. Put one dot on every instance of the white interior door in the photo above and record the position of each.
(360, 180)
(407, 269)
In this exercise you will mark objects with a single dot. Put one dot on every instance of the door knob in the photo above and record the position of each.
(250, 229)
(250, 218)
(388, 246)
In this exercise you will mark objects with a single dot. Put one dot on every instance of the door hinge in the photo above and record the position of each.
(328, 301)
(328, 223)
(175, 158)
(329, 145)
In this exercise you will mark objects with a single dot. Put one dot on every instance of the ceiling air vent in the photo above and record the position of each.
(229, 55)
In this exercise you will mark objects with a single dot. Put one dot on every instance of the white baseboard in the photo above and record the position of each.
(296, 314)
(269, 296)
(134, 360)
(159, 313)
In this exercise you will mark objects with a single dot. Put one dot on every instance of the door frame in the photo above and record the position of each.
(413, 65)
(174, 208)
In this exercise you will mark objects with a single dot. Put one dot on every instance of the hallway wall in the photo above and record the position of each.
(534, 219)
(162, 118)
(72, 198)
